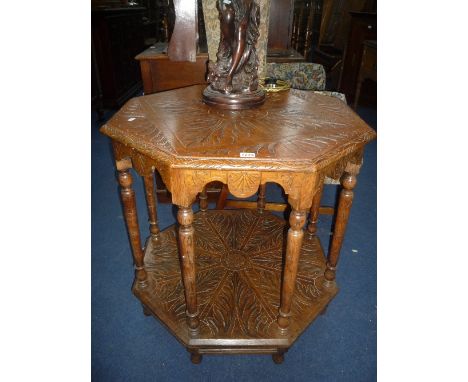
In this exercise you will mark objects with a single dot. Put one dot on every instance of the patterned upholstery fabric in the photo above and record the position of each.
(338, 95)
(211, 16)
(299, 75)
(306, 94)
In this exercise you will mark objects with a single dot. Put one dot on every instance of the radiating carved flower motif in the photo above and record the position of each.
(239, 263)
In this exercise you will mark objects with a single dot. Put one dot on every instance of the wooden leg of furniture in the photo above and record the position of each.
(196, 358)
(187, 257)
(357, 93)
(261, 198)
(278, 358)
(151, 203)
(131, 219)
(293, 250)
(146, 311)
(203, 200)
(221, 203)
(315, 210)
(348, 182)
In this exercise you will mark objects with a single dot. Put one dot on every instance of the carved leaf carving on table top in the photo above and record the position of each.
(132, 120)
(286, 128)
(276, 132)
(238, 281)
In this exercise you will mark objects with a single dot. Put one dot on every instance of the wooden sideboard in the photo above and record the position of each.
(219, 280)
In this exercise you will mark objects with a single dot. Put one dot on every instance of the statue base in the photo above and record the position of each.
(233, 101)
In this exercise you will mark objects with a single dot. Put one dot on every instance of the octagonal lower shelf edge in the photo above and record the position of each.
(239, 261)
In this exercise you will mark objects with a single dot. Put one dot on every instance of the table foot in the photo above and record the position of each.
(196, 358)
(324, 310)
(146, 311)
(278, 358)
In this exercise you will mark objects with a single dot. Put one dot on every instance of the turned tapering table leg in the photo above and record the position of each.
(261, 198)
(151, 203)
(348, 182)
(221, 203)
(314, 210)
(203, 200)
(131, 218)
(357, 92)
(293, 250)
(187, 256)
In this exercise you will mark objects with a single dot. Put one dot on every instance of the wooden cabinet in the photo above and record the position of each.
(280, 33)
(363, 27)
(368, 70)
(160, 74)
(279, 28)
(118, 36)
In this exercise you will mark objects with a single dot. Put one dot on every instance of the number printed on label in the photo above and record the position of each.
(247, 155)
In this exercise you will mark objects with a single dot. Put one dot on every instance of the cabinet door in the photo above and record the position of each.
(279, 27)
(363, 27)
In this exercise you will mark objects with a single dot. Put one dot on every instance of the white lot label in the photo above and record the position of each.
(247, 155)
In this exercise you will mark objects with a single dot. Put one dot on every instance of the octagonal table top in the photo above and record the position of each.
(297, 129)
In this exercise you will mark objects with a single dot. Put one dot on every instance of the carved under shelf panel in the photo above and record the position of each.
(239, 260)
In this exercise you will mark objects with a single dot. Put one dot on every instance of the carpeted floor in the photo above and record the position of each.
(128, 346)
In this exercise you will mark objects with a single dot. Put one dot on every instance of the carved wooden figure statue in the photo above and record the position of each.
(233, 78)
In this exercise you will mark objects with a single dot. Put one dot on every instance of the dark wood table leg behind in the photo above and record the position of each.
(151, 203)
(348, 182)
(261, 201)
(315, 209)
(203, 197)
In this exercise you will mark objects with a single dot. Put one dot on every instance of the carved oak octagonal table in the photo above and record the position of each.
(236, 281)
